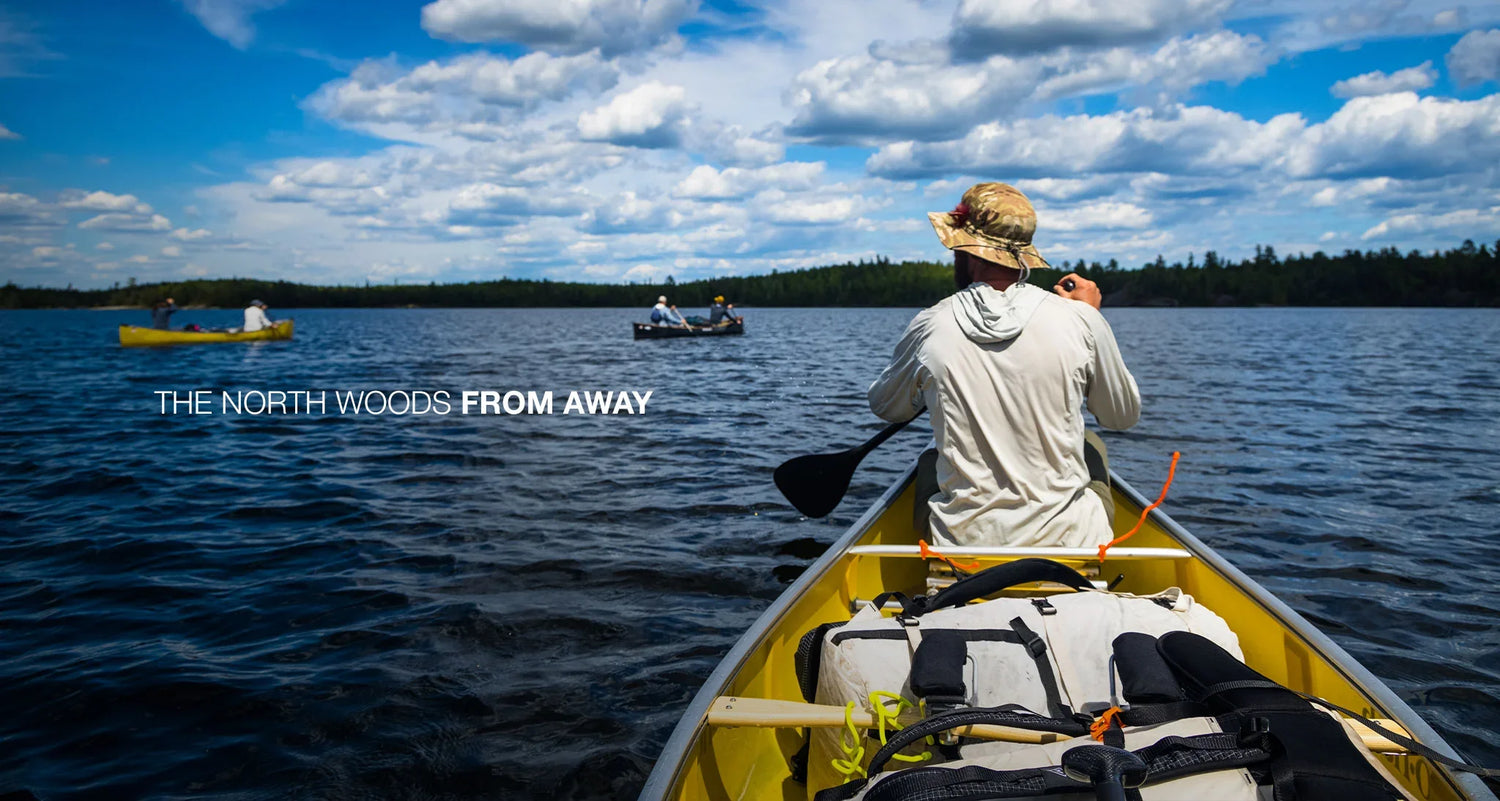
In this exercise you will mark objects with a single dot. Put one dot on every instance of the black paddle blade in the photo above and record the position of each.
(815, 484)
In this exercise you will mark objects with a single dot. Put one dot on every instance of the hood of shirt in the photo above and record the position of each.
(988, 316)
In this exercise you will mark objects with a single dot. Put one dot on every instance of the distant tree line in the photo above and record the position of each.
(1464, 276)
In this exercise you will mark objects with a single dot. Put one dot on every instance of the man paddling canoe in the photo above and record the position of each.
(161, 314)
(720, 312)
(663, 314)
(1004, 366)
(255, 317)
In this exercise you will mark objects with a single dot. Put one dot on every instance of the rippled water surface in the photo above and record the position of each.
(325, 606)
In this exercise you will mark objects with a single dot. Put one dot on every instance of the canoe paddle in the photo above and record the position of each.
(772, 713)
(816, 483)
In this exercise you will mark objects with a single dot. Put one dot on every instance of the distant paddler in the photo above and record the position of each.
(721, 312)
(662, 314)
(161, 313)
(255, 317)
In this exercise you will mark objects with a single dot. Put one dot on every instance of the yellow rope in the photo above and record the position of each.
(851, 742)
(886, 716)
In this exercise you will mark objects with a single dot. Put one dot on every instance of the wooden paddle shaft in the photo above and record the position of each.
(776, 714)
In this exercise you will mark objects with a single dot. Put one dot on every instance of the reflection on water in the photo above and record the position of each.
(506, 606)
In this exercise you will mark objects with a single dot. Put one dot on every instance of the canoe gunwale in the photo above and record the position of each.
(655, 331)
(1334, 654)
(674, 752)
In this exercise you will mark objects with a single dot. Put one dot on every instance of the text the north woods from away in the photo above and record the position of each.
(399, 403)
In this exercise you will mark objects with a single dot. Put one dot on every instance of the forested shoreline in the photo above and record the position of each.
(1468, 275)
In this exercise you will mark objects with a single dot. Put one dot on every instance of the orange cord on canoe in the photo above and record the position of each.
(1171, 471)
(928, 553)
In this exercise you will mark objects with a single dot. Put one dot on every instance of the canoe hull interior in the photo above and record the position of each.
(137, 336)
(649, 331)
(704, 762)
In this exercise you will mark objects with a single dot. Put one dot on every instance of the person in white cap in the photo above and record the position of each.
(1005, 368)
(662, 314)
(255, 317)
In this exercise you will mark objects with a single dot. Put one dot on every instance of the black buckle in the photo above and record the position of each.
(1035, 646)
(1043, 606)
(1253, 732)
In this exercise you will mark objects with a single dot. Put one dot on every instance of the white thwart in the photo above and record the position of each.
(978, 552)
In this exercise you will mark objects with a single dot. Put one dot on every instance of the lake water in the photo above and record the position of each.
(450, 607)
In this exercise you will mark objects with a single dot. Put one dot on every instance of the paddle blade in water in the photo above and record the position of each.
(815, 484)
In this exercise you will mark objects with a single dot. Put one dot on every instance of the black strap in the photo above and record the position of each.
(1399, 739)
(996, 579)
(1019, 633)
(968, 635)
(1152, 714)
(1169, 758)
(899, 597)
(995, 716)
(1038, 650)
(937, 669)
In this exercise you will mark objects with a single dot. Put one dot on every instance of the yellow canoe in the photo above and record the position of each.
(712, 762)
(133, 335)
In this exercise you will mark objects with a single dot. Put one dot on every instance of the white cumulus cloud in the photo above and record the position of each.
(812, 211)
(229, 19)
(1475, 58)
(1463, 220)
(6, 133)
(1400, 135)
(651, 115)
(487, 204)
(1096, 216)
(127, 222)
(870, 98)
(863, 96)
(984, 27)
(21, 209)
(1173, 140)
(568, 26)
(707, 183)
(1410, 79)
(103, 201)
(522, 82)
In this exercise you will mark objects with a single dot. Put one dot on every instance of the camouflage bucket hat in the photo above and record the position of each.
(994, 222)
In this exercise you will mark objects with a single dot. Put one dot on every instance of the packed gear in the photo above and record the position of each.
(1148, 696)
(1046, 660)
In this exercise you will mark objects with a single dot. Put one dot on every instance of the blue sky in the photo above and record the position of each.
(606, 140)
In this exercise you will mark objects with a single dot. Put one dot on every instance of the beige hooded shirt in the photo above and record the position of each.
(1006, 375)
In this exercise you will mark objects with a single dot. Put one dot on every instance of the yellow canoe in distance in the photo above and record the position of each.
(702, 761)
(137, 336)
